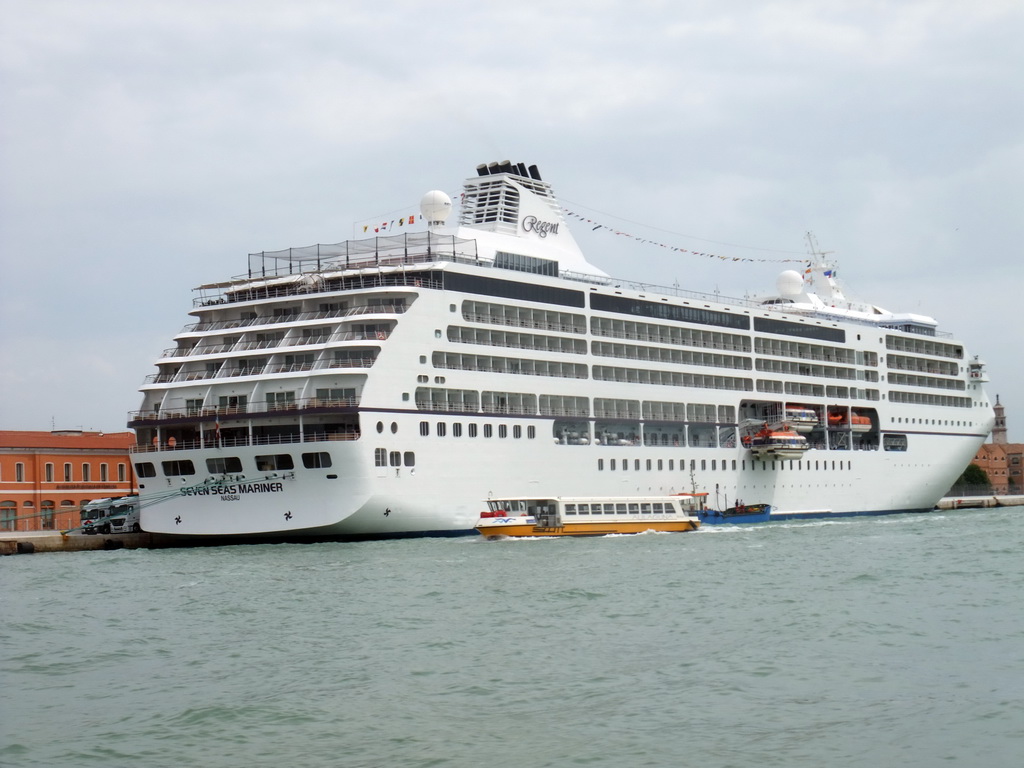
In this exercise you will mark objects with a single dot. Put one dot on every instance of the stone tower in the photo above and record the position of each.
(999, 428)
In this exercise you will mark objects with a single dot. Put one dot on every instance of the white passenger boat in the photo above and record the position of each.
(589, 515)
(383, 386)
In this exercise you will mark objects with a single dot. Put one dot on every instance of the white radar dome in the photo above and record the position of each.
(436, 206)
(790, 283)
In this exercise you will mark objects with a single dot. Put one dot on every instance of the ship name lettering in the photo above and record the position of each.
(542, 228)
(233, 490)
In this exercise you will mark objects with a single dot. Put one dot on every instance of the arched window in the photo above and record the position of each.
(8, 515)
(46, 516)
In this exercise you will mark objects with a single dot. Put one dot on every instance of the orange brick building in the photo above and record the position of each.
(1003, 462)
(46, 476)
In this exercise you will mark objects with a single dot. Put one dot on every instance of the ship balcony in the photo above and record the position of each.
(213, 414)
(299, 317)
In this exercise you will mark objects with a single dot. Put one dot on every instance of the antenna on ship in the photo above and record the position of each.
(812, 244)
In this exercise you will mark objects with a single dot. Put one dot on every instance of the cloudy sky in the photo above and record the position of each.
(147, 146)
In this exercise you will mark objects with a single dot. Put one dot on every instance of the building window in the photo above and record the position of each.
(8, 516)
(19, 473)
(104, 473)
(49, 473)
(46, 516)
(86, 472)
(122, 473)
(67, 473)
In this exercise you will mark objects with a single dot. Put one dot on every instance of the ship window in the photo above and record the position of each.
(649, 465)
(625, 465)
(274, 461)
(714, 463)
(703, 464)
(394, 427)
(441, 429)
(531, 432)
(734, 465)
(142, 469)
(517, 431)
(600, 465)
(488, 430)
(611, 465)
(221, 465)
(424, 428)
(396, 459)
(380, 427)
(660, 465)
(457, 429)
(502, 431)
(380, 457)
(671, 465)
(319, 460)
(472, 430)
(410, 459)
(182, 467)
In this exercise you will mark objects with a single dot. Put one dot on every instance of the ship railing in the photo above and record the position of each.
(214, 413)
(233, 441)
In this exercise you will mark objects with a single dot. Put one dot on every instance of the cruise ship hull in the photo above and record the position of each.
(389, 387)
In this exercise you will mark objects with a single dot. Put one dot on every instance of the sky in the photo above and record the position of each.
(148, 147)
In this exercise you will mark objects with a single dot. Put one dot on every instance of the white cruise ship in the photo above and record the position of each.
(389, 386)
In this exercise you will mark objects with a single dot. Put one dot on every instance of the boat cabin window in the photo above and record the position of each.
(274, 461)
(570, 509)
(183, 467)
(320, 460)
(634, 508)
(222, 465)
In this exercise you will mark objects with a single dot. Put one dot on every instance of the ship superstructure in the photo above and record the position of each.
(387, 386)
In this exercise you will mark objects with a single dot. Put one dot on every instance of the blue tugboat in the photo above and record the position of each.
(737, 514)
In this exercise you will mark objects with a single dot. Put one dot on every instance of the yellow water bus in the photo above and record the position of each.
(589, 515)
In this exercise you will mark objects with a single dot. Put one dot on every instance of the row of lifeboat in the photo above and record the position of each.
(781, 442)
(804, 419)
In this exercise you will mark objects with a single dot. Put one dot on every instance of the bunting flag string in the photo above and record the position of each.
(388, 225)
(595, 225)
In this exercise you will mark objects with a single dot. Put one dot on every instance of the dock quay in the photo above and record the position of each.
(979, 502)
(31, 542)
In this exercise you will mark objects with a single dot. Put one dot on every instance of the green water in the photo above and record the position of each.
(861, 642)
